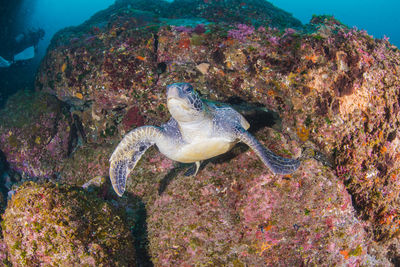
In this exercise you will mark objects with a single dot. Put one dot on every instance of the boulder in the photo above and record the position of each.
(50, 224)
(234, 213)
(35, 133)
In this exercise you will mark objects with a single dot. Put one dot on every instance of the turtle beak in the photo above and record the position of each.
(173, 92)
(174, 102)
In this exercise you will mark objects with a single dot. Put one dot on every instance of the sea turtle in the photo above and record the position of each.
(199, 129)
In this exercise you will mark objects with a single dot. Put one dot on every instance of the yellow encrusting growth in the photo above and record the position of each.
(79, 95)
(63, 67)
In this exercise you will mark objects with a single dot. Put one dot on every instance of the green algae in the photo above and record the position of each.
(197, 39)
(308, 121)
(13, 141)
(328, 121)
(306, 212)
(356, 252)
(109, 131)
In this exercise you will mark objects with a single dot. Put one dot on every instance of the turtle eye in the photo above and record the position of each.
(187, 88)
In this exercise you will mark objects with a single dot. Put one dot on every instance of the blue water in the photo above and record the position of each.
(53, 15)
(378, 18)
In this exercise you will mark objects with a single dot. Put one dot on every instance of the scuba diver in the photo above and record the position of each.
(23, 47)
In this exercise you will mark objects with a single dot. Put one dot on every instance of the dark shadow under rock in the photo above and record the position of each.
(136, 213)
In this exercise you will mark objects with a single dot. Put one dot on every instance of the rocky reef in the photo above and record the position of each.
(54, 225)
(323, 92)
(35, 133)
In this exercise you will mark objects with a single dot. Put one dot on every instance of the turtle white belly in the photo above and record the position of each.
(200, 150)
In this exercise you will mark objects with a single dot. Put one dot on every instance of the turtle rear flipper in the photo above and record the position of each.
(192, 171)
(128, 153)
(277, 164)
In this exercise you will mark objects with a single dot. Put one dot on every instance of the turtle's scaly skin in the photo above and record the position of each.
(198, 130)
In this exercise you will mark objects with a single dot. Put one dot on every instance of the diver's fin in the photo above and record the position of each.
(26, 54)
(277, 164)
(4, 63)
(128, 152)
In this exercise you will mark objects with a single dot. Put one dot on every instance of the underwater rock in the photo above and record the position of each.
(344, 98)
(50, 224)
(333, 87)
(3, 254)
(113, 61)
(84, 69)
(335, 90)
(233, 213)
(258, 12)
(35, 133)
(96, 182)
(87, 162)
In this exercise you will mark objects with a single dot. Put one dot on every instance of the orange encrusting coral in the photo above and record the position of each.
(303, 133)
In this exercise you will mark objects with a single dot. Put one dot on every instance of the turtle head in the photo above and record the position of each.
(184, 102)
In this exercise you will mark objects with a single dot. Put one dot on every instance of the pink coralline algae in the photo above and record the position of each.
(199, 29)
(288, 32)
(183, 29)
(241, 32)
(259, 203)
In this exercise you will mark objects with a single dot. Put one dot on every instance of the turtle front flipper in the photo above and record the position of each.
(128, 152)
(277, 164)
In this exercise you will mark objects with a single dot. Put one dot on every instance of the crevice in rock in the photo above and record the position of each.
(73, 139)
(77, 136)
(256, 114)
(140, 232)
(76, 120)
(394, 255)
(4, 168)
(155, 36)
(160, 66)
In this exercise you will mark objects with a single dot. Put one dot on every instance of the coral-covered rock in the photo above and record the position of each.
(35, 133)
(86, 163)
(335, 89)
(344, 98)
(3, 254)
(109, 66)
(257, 12)
(236, 214)
(108, 71)
(49, 224)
